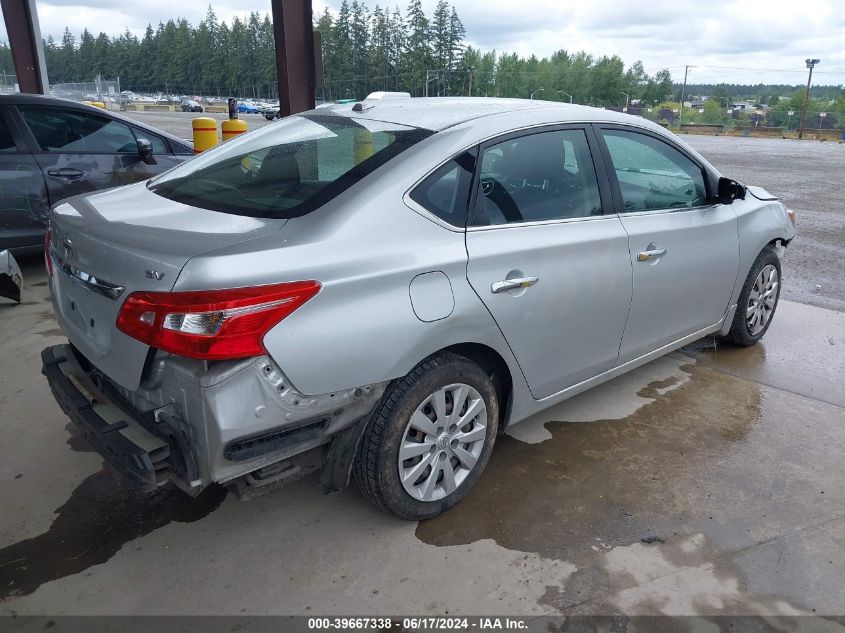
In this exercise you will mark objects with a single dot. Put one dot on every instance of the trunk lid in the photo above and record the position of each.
(108, 245)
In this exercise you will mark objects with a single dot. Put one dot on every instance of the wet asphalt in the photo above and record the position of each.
(706, 482)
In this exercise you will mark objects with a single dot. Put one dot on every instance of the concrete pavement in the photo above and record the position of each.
(707, 482)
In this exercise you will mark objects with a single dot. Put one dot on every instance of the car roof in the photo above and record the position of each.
(440, 113)
(31, 99)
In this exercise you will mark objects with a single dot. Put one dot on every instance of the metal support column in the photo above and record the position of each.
(295, 56)
(25, 40)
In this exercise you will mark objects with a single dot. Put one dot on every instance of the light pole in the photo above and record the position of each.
(536, 91)
(810, 64)
(627, 98)
(683, 94)
(563, 92)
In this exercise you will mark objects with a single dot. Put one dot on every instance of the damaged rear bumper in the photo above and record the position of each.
(122, 440)
(195, 423)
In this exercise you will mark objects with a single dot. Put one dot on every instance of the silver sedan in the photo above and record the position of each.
(378, 290)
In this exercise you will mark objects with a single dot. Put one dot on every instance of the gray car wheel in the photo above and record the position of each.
(430, 438)
(757, 301)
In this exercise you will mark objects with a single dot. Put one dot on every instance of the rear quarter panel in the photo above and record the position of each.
(364, 247)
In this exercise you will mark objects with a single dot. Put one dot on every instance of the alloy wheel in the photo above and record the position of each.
(442, 442)
(762, 299)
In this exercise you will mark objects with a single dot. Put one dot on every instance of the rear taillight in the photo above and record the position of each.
(212, 324)
(48, 261)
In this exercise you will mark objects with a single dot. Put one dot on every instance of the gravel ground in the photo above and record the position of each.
(807, 175)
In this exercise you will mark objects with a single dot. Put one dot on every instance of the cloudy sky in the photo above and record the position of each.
(737, 41)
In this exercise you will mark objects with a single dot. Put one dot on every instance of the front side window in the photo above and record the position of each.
(287, 169)
(652, 174)
(445, 193)
(542, 176)
(158, 144)
(69, 131)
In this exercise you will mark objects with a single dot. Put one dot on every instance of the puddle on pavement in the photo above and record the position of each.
(102, 514)
(710, 457)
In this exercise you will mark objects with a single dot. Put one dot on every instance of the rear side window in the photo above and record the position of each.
(7, 144)
(68, 131)
(286, 169)
(445, 193)
(652, 174)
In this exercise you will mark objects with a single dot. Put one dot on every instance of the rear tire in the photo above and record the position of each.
(757, 301)
(443, 417)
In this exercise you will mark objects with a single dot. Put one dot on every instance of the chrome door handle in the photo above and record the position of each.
(513, 284)
(66, 173)
(644, 256)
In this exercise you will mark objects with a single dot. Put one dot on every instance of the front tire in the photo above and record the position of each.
(757, 301)
(430, 438)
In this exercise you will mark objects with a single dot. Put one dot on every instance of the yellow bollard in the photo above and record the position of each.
(205, 133)
(232, 128)
(363, 144)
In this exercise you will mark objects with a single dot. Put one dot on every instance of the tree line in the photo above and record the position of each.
(363, 50)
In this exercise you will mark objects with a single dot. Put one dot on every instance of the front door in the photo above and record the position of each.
(550, 266)
(684, 247)
(23, 196)
(81, 151)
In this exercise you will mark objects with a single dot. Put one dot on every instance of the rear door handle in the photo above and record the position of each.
(656, 253)
(513, 284)
(66, 173)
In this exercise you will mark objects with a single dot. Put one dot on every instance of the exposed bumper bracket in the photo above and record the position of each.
(123, 441)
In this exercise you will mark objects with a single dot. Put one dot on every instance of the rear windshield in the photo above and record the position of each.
(287, 168)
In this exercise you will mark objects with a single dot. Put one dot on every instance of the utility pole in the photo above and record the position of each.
(470, 82)
(810, 64)
(683, 95)
(426, 82)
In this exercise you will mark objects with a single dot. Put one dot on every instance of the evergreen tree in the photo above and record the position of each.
(418, 57)
(359, 34)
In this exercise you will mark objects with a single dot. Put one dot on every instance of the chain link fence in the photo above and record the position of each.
(105, 91)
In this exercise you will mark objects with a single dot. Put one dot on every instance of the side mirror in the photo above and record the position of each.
(729, 190)
(145, 151)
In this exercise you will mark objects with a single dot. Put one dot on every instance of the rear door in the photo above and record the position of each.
(23, 194)
(684, 247)
(550, 265)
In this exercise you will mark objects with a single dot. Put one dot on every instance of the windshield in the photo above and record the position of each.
(288, 168)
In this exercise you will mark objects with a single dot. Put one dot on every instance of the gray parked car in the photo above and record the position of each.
(51, 149)
(380, 289)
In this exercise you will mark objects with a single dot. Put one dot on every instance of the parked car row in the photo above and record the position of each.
(243, 320)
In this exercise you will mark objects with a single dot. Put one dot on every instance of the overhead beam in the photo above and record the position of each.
(24, 35)
(293, 31)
